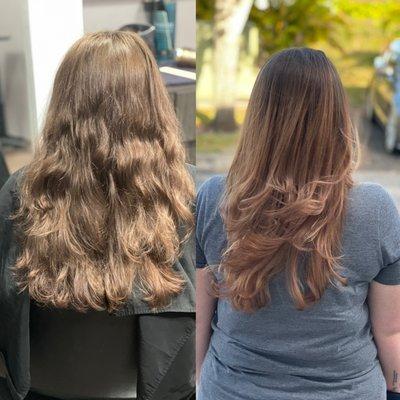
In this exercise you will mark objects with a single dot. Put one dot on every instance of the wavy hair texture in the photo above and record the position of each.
(286, 190)
(105, 205)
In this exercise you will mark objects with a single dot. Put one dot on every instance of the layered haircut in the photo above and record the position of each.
(286, 190)
(105, 205)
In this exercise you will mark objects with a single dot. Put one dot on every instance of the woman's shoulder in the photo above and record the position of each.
(209, 197)
(191, 169)
(372, 208)
(9, 195)
(13, 179)
(9, 191)
(212, 187)
(370, 194)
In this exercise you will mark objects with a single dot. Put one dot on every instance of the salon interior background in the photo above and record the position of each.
(35, 34)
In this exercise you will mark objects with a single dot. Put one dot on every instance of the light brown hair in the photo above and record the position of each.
(105, 205)
(287, 187)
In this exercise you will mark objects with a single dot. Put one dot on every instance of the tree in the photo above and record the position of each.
(281, 24)
(295, 23)
(230, 17)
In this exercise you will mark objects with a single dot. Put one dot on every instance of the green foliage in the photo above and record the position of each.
(350, 32)
(386, 13)
(375, 9)
(216, 142)
(205, 10)
(296, 23)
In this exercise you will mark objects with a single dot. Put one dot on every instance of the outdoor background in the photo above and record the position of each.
(351, 32)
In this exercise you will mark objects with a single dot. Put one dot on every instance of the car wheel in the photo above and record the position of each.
(369, 106)
(391, 131)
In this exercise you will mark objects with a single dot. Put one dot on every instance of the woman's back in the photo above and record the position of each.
(326, 348)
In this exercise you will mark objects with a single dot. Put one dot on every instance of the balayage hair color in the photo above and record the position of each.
(106, 202)
(286, 190)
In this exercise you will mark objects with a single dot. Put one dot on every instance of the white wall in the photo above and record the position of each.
(112, 14)
(41, 31)
(99, 15)
(54, 25)
(186, 24)
(14, 65)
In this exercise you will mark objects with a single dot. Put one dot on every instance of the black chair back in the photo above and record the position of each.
(82, 355)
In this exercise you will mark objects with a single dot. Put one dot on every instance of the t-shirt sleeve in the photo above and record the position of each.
(208, 222)
(210, 232)
(389, 241)
(201, 210)
(201, 261)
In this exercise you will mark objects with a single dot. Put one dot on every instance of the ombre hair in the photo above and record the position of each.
(106, 203)
(287, 188)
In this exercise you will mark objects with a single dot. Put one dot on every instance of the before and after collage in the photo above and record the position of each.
(200, 199)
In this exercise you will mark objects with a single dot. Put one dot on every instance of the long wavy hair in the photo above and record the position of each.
(287, 187)
(106, 203)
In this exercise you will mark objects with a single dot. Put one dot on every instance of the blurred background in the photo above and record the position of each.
(235, 37)
(35, 35)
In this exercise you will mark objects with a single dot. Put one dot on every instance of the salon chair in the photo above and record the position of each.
(82, 355)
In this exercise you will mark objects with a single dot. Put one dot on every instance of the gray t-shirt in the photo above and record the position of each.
(324, 352)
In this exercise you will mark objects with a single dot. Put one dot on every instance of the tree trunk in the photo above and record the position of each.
(229, 20)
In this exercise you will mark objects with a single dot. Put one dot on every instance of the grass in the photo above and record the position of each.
(206, 113)
(216, 142)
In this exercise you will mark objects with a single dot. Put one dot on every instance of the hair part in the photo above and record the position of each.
(286, 190)
(105, 205)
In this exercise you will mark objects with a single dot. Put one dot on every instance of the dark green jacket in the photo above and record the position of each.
(169, 346)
